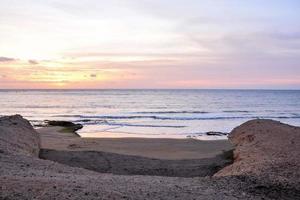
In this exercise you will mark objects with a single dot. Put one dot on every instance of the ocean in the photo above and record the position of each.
(153, 113)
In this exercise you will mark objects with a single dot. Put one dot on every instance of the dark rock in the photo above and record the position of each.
(216, 133)
(72, 127)
(60, 123)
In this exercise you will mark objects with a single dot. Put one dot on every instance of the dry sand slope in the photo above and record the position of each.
(266, 149)
(24, 176)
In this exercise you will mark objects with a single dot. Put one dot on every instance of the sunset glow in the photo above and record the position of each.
(149, 44)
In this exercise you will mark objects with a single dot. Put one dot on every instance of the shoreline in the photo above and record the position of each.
(110, 134)
(76, 128)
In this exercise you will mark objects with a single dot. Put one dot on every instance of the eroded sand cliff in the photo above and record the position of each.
(266, 149)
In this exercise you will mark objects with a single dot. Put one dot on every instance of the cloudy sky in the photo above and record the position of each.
(150, 44)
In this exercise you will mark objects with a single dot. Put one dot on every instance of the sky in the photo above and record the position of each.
(95, 44)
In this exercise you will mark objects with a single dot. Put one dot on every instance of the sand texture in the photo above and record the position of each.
(266, 149)
(17, 136)
(135, 156)
(55, 138)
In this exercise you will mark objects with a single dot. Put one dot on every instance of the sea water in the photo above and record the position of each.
(152, 113)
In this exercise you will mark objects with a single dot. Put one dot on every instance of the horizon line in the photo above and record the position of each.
(3, 89)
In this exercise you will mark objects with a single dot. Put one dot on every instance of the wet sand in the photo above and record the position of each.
(135, 156)
(55, 138)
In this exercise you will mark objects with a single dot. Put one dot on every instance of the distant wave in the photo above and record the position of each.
(173, 112)
(78, 116)
(177, 118)
(140, 117)
(105, 122)
(38, 106)
(236, 111)
(95, 122)
(145, 125)
(61, 106)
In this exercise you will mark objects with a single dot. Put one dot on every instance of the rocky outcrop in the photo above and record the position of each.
(214, 133)
(18, 137)
(267, 150)
(69, 126)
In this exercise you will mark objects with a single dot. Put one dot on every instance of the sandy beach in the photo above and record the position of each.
(134, 156)
(55, 138)
(55, 164)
